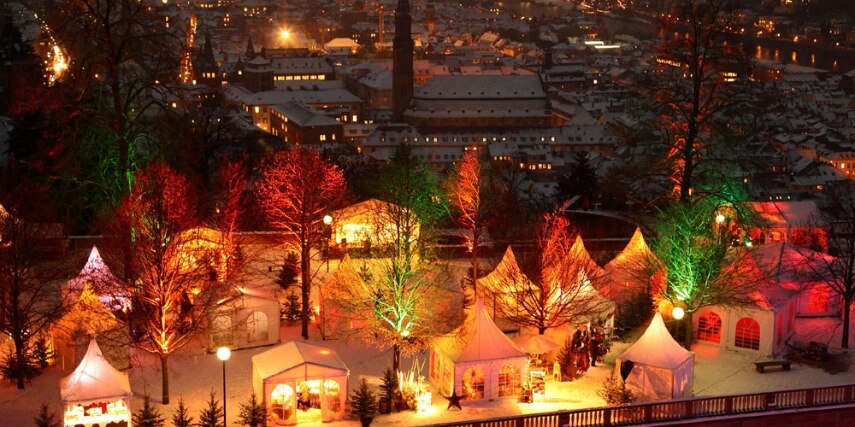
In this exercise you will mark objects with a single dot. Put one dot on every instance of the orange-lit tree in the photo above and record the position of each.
(465, 195)
(550, 286)
(166, 279)
(229, 212)
(696, 90)
(296, 189)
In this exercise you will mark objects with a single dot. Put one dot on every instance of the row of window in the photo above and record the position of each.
(301, 77)
(747, 334)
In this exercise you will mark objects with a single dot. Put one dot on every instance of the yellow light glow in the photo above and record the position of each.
(223, 353)
(284, 34)
(719, 218)
(678, 313)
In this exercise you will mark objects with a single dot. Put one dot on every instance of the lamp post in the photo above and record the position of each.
(223, 353)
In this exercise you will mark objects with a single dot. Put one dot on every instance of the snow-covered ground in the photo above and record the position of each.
(194, 374)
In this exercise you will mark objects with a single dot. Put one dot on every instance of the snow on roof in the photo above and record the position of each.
(787, 213)
(791, 266)
(477, 339)
(295, 354)
(341, 42)
(657, 347)
(482, 87)
(94, 272)
(94, 379)
(304, 115)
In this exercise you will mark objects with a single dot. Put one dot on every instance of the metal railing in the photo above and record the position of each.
(674, 410)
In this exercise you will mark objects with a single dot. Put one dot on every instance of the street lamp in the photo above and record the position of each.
(223, 353)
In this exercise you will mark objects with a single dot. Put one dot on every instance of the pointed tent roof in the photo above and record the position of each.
(657, 348)
(94, 379)
(88, 314)
(477, 339)
(767, 293)
(635, 250)
(94, 272)
(294, 354)
(580, 254)
(507, 267)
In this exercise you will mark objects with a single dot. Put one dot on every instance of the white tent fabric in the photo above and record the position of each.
(478, 344)
(95, 273)
(292, 365)
(94, 380)
(662, 369)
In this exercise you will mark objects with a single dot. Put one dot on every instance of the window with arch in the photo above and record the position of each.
(473, 383)
(747, 334)
(281, 401)
(256, 327)
(819, 299)
(333, 394)
(709, 327)
(221, 331)
(509, 381)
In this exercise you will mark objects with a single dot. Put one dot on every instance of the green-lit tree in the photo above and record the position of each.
(701, 265)
(404, 303)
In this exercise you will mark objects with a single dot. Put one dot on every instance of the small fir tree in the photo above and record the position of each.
(45, 418)
(615, 392)
(41, 353)
(290, 270)
(389, 387)
(212, 416)
(292, 306)
(565, 357)
(253, 413)
(364, 403)
(148, 415)
(181, 417)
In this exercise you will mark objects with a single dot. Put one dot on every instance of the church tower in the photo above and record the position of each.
(402, 62)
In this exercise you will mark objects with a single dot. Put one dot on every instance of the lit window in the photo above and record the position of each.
(323, 137)
(509, 381)
(709, 327)
(747, 334)
(257, 109)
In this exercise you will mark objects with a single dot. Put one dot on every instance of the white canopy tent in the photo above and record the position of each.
(97, 275)
(478, 360)
(96, 393)
(661, 368)
(300, 373)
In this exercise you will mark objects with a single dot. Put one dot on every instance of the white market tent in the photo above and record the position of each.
(477, 360)
(662, 369)
(298, 372)
(97, 275)
(96, 393)
(630, 271)
(247, 317)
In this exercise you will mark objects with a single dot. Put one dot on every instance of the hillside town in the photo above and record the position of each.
(425, 212)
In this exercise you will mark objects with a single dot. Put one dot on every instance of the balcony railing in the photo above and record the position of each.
(674, 410)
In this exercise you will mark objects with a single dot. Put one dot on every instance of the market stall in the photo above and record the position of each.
(96, 394)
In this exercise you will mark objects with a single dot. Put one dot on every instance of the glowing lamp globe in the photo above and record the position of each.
(327, 219)
(719, 218)
(678, 313)
(223, 353)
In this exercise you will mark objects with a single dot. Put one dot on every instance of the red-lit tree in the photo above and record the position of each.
(549, 287)
(296, 189)
(465, 195)
(229, 213)
(166, 275)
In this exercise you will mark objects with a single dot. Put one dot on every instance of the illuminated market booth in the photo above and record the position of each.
(96, 393)
(300, 382)
(478, 360)
(656, 366)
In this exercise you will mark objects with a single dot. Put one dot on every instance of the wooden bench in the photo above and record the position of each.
(761, 366)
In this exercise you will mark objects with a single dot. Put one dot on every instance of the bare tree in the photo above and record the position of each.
(548, 287)
(169, 270)
(465, 190)
(697, 88)
(29, 293)
(296, 189)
